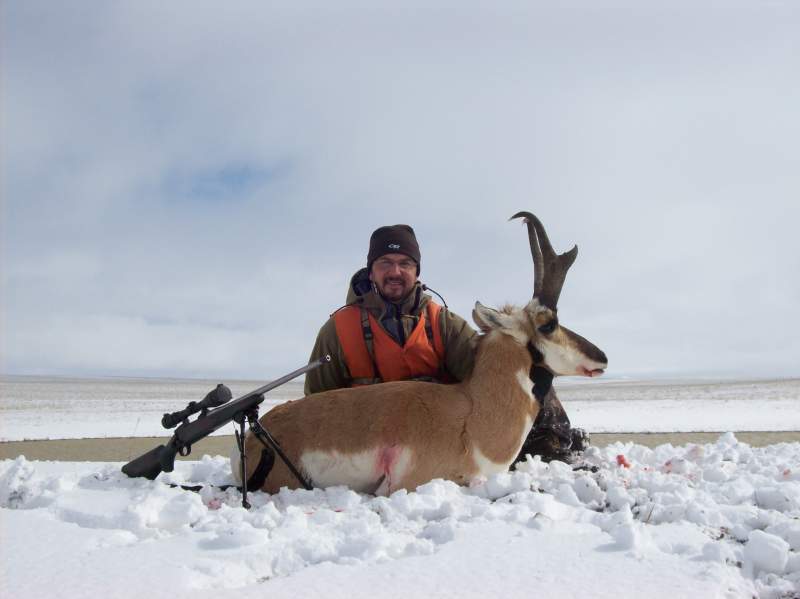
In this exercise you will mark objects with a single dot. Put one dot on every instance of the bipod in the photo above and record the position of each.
(268, 441)
(240, 420)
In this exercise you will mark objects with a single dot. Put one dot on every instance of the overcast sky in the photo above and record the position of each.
(188, 186)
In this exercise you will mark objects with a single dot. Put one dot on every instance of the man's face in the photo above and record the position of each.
(394, 275)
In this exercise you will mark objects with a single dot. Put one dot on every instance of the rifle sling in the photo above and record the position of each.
(265, 464)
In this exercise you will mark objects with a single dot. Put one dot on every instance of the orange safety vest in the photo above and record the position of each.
(418, 358)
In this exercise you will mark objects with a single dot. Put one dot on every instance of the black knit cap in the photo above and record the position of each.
(395, 239)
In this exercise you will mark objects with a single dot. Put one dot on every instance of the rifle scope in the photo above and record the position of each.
(216, 397)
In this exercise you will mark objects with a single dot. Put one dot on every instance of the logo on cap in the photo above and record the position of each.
(394, 246)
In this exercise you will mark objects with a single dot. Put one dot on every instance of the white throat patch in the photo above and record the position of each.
(526, 384)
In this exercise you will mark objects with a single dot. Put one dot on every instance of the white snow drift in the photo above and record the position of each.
(715, 520)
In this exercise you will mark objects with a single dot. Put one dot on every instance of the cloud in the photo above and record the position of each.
(176, 176)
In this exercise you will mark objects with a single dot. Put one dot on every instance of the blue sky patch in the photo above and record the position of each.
(230, 181)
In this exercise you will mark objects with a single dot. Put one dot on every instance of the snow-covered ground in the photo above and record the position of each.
(715, 520)
(57, 408)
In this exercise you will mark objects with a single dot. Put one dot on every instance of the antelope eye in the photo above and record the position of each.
(549, 327)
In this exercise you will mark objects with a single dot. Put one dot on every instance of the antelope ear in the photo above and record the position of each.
(489, 319)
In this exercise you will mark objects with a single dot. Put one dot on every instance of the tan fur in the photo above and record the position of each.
(442, 425)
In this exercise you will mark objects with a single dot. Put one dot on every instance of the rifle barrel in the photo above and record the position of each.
(191, 432)
(162, 458)
(288, 377)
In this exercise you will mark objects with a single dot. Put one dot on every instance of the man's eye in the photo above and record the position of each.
(549, 327)
(407, 265)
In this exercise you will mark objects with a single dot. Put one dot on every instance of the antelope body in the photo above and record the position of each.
(381, 438)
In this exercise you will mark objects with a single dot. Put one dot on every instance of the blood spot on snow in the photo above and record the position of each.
(622, 461)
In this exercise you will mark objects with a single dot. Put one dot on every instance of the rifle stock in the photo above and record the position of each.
(147, 465)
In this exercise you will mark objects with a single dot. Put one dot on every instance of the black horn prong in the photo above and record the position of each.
(556, 277)
(550, 268)
(544, 241)
(536, 251)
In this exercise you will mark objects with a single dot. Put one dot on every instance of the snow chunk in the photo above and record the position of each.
(163, 510)
(765, 553)
(566, 494)
(783, 498)
(629, 534)
(15, 484)
(618, 497)
(182, 510)
(440, 532)
(789, 532)
(588, 491)
(716, 551)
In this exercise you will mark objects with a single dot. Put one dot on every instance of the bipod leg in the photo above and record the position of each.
(242, 462)
(269, 441)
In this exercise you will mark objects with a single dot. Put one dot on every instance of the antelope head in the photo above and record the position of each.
(551, 345)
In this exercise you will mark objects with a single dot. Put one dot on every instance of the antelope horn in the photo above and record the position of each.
(550, 269)
(536, 252)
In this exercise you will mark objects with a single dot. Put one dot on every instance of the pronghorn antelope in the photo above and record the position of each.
(399, 435)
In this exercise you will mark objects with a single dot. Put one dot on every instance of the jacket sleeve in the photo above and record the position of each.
(459, 344)
(334, 375)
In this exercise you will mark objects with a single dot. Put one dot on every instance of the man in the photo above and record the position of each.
(390, 330)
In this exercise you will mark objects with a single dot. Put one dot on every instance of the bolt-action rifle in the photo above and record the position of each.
(216, 410)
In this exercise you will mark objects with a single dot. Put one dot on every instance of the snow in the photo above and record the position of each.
(59, 408)
(765, 553)
(42, 408)
(714, 520)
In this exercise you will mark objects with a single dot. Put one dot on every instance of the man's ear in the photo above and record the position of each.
(489, 319)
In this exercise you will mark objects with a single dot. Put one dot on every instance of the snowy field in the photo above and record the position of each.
(58, 408)
(701, 521)
(714, 520)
